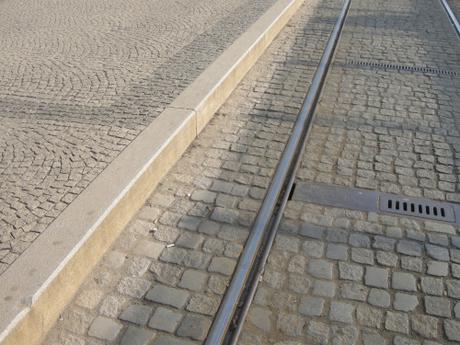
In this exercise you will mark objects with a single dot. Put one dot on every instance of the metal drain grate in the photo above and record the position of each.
(417, 69)
(372, 201)
(417, 208)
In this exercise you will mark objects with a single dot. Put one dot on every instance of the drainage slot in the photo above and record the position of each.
(405, 68)
(426, 208)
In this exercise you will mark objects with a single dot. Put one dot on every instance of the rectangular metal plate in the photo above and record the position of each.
(371, 201)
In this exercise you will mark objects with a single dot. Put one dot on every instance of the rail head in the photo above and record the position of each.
(451, 15)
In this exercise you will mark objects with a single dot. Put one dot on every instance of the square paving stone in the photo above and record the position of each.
(203, 304)
(424, 325)
(313, 249)
(194, 326)
(313, 231)
(410, 248)
(387, 259)
(452, 329)
(350, 271)
(362, 256)
(134, 287)
(165, 320)
(359, 240)
(319, 331)
(379, 298)
(311, 306)
(260, 317)
(341, 312)
(324, 288)
(193, 280)
(455, 270)
(138, 314)
(384, 243)
(222, 265)
(168, 295)
(104, 328)
(397, 322)
(453, 288)
(377, 277)
(438, 306)
(411, 264)
(190, 240)
(432, 286)
(369, 316)
(437, 252)
(354, 291)
(320, 268)
(137, 336)
(337, 252)
(437, 268)
(372, 338)
(405, 302)
(149, 249)
(403, 281)
(337, 235)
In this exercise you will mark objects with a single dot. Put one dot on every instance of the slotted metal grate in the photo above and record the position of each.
(405, 68)
(417, 208)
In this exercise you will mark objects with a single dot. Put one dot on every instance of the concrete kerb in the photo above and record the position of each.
(43, 280)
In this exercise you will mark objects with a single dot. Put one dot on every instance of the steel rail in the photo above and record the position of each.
(451, 16)
(270, 213)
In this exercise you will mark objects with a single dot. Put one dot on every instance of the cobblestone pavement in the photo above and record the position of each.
(162, 281)
(391, 130)
(346, 277)
(79, 80)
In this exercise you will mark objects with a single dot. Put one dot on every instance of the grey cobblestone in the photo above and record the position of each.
(398, 322)
(405, 302)
(194, 326)
(436, 268)
(165, 320)
(350, 271)
(167, 295)
(437, 306)
(104, 328)
(403, 281)
(377, 277)
(452, 329)
(320, 268)
(453, 288)
(362, 256)
(311, 306)
(337, 252)
(379, 298)
(425, 325)
(138, 314)
(137, 336)
(342, 312)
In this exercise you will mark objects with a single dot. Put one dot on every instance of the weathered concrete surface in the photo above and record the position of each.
(80, 80)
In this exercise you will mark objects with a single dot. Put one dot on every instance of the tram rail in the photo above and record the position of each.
(230, 317)
(451, 15)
